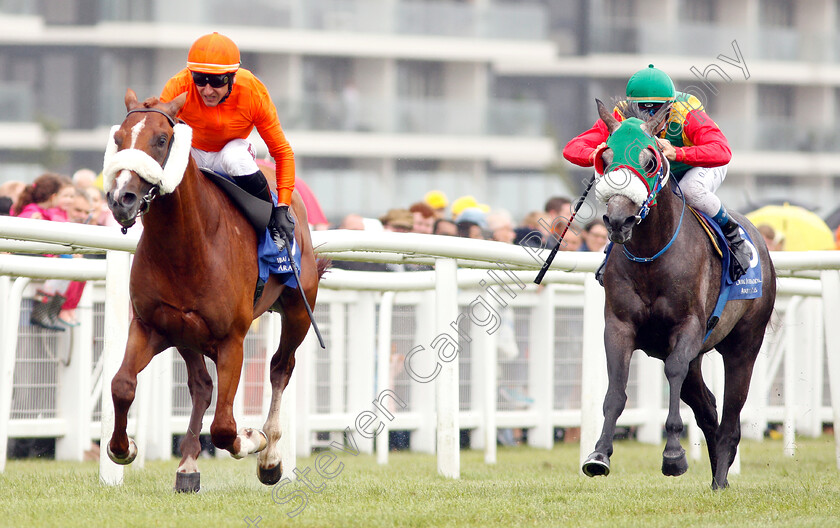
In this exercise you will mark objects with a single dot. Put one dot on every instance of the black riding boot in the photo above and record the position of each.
(257, 185)
(739, 262)
(45, 311)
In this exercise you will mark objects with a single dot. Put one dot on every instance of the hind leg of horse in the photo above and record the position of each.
(187, 478)
(295, 327)
(619, 353)
(685, 345)
(700, 399)
(737, 371)
(139, 351)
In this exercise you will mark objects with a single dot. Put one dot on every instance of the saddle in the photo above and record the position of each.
(258, 212)
(707, 226)
(746, 287)
(255, 210)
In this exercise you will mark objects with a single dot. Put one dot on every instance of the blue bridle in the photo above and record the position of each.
(645, 209)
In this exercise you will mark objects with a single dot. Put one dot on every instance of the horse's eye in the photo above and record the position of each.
(649, 162)
(162, 141)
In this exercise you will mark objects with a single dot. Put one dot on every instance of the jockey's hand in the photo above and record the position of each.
(284, 221)
(667, 149)
(595, 152)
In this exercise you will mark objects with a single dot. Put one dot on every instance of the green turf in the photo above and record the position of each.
(528, 487)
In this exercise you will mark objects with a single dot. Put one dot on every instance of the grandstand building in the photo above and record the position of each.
(383, 100)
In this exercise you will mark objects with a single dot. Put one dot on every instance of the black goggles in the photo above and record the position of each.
(650, 108)
(216, 81)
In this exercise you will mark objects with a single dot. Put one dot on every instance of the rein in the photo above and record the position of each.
(643, 212)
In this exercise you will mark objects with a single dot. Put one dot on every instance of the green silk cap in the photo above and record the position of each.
(650, 85)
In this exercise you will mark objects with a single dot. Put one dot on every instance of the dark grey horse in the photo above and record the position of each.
(662, 306)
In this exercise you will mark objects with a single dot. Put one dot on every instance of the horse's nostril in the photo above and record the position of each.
(128, 199)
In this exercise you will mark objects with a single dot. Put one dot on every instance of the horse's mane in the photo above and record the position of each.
(151, 102)
(631, 109)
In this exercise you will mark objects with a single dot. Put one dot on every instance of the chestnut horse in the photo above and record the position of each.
(661, 288)
(192, 286)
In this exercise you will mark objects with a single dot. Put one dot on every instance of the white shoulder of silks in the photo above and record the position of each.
(623, 182)
(145, 166)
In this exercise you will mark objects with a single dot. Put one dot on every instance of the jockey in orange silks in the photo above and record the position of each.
(224, 103)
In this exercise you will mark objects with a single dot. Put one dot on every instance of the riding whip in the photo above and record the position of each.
(300, 289)
(550, 259)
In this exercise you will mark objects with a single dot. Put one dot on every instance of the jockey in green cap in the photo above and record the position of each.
(698, 151)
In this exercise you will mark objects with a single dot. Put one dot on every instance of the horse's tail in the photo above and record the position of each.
(323, 264)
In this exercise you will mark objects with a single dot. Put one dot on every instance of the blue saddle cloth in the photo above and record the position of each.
(270, 260)
(748, 286)
(275, 262)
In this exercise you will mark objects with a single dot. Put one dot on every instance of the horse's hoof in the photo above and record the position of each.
(271, 476)
(596, 465)
(716, 486)
(187, 482)
(128, 459)
(674, 465)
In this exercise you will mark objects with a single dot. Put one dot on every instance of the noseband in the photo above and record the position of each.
(154, 189)
(645, 209)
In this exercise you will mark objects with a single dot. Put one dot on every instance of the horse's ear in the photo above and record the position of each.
(130, 99)
(175, 105)
(652, 124)
(608, 119)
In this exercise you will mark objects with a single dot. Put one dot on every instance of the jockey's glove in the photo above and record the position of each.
(284, 221)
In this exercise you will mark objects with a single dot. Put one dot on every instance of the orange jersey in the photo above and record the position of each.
(248, 105)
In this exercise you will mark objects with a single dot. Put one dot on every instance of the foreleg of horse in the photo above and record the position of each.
(139, 351)
(187, 478)
(618, 369)
(738, 372)
(697, 395)
(295, 327)
(685, 346)
(223, 430)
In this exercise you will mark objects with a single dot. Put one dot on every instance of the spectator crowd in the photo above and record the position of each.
(468, 218)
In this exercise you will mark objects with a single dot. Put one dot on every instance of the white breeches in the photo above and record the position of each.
(699, 185)
(237, 158)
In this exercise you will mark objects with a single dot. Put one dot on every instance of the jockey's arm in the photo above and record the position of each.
(581, 149)
(268, 126)
(710, 147)
(284, 159)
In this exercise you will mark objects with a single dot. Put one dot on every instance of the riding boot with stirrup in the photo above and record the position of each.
(45, 311)
(741, 254)
(256, 185)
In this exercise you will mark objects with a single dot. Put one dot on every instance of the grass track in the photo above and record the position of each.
(528, 487)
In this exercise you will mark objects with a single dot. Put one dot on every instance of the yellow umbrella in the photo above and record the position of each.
(802, 229)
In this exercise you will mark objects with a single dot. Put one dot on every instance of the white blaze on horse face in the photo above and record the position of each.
(121, 181)
(135, 131)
